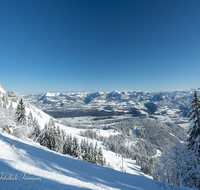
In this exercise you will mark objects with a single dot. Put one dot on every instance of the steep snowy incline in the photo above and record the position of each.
(46, 169)
(2, 91)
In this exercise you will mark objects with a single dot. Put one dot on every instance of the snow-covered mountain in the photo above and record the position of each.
(21, 155)
(61, 105)
(156, 117)
(154, 112)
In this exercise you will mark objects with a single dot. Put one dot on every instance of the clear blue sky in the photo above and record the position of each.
(92, 45)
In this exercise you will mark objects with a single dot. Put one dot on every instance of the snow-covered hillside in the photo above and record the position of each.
(26, 165)
(21, 155)
(2, 91)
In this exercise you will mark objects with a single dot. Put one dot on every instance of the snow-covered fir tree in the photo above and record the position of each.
(1, 104)
(30, 119)
(33, 127)
(67, 148)
(91, 153)
(59, 140)
(36, 132)
(20, 113)
(5, 99)
(85, 152)
(95, 153)
(100, 160)
(193, 141)
(180, 162)
(51, 137)
(172, 167)
(11, 109)
(75, 148)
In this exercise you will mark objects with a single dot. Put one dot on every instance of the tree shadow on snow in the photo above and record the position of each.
(17, 182)
(79, 170)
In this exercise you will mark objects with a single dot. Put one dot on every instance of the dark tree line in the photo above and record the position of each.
(57, 140)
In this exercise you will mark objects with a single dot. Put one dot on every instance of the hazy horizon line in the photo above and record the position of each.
(90, 91)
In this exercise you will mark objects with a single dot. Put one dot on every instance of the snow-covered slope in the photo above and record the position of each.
(60, 171)
(27, 165)
(2, 91)
(7, 119)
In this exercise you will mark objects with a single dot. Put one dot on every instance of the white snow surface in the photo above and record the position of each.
(2, 90)
(46, 169)
(106, 133)
(52, 94)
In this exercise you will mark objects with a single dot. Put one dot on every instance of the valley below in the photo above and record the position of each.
(157, 118)
(108, 107)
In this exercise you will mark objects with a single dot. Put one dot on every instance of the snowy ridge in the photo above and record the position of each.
(52, 94)
(2, 91)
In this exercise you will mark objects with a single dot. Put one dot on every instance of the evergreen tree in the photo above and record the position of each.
(100, 157)
(6, 99)
(51, 138)
(51, 123)
(104, 162)
(91, 153)
(75, 148)
(30, 119)
(36, 133)
(59, 142)
(47, 138)
(4, 102)
(67, 148)
(95, 154)
(1, 102)
(42, 138)
(180, 163)
(63, 134)
(10, 108)
(21, 113)
(85, 151)
(34, 127)
(193, 141)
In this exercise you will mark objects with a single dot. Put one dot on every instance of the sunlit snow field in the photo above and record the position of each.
(27, 165)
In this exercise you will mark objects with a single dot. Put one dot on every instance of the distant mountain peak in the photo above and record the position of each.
(52, 94)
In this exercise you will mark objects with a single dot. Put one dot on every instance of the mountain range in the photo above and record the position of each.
(62, 105)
